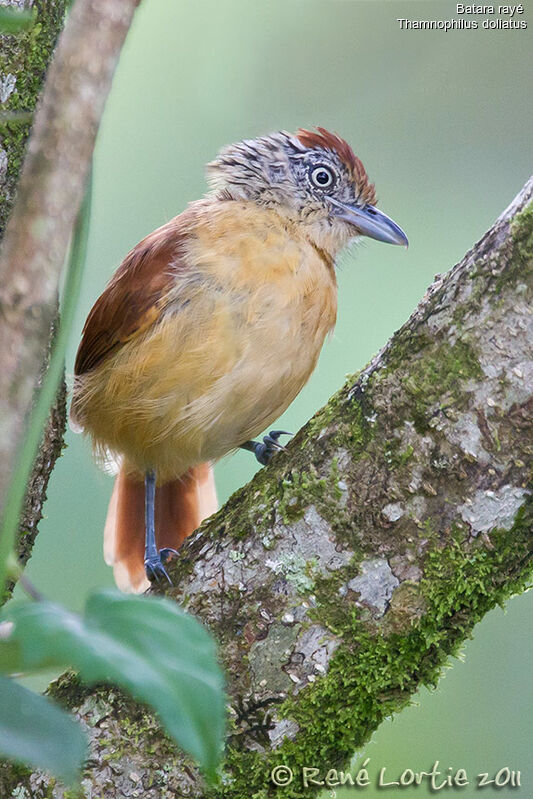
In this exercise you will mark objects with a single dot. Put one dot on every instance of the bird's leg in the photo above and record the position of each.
(263, 450)
(154, 560)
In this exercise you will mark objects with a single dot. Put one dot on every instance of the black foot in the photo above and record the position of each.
(263, 450)
(155, 566)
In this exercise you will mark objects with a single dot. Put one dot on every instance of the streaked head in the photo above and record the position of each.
(313, 176)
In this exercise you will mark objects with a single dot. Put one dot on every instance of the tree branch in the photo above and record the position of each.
(24, 60)
(48, 198)
(344, 575)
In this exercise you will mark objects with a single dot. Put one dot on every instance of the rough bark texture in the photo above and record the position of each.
(24, 59)
(345, 574)
(49, 451)
(48, 197)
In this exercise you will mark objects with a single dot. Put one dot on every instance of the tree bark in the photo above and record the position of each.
(48, 197)
(346, 573)
(24, 59)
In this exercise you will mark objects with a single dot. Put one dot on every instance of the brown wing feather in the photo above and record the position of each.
(135, 295)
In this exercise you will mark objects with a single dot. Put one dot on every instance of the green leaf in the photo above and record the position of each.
(149, 646)
(35, 732)
(13, 21)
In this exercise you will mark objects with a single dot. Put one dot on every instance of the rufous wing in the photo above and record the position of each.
(133, 300)
(135, 296)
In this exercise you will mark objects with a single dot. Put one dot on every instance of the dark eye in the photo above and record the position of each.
(322, 177)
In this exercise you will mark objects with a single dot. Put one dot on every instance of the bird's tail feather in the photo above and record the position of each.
(180, 507)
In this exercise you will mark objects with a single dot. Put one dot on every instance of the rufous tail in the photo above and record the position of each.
(180, 507)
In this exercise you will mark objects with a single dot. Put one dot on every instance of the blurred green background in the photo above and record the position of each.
(442, 122)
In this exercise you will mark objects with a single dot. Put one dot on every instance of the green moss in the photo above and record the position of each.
(360, 430)
(12, 774)
(436, 379)
(395, 456)
(522, 257)
(517, 266)
(344, 421)
(68, 793)
(404, 344)
(26, 56)
(299, 489)
(325, 417)
(68, 690)
(522, 232)
(377, 668)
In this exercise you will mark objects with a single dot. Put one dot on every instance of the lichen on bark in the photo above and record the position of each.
(346, 573)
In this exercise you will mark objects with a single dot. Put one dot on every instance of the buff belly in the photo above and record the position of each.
(226, 358)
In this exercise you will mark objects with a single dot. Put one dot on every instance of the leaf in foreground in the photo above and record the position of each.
(149, 646)
(36, 732)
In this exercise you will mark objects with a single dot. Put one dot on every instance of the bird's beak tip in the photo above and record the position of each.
(370, 222)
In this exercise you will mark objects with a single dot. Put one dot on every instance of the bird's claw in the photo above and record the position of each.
(264, 450)
(155, 566)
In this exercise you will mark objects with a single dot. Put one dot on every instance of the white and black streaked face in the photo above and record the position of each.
(313, 177)
(320, 178)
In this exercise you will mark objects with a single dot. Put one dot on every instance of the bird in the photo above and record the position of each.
(208, 330)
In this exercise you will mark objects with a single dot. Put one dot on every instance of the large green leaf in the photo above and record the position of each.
(149, 646)
(36, 732)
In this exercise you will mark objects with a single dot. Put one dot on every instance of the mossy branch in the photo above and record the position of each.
(345, 574)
